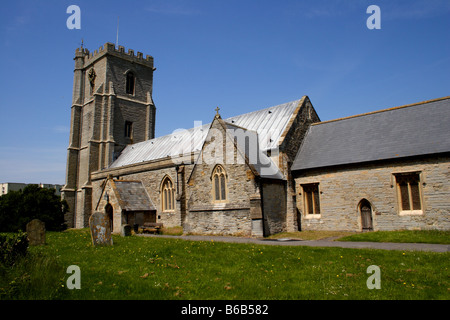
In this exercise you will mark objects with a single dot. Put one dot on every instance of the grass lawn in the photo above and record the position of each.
(402, 236)
(161, 268)
(311, 235)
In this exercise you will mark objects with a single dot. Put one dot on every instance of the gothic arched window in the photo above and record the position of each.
(130, 83)
(167, 195)
(219, 184)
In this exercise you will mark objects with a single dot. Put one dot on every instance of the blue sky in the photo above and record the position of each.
(239, 55)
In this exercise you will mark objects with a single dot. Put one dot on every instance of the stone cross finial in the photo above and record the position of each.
(217, 111)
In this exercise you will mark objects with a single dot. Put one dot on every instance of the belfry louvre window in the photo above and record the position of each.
(408, 189)
(311, 198)
(219, 184)
(130, 83)
(167, 195)
(128, 129)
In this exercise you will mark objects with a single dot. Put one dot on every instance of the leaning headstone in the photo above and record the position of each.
(100, 229)
(126, 230)
(36, 232)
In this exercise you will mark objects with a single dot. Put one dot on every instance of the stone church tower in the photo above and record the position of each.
(112, 107)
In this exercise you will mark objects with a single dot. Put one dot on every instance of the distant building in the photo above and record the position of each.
(57, 187)
(11, 186)
(16, 186)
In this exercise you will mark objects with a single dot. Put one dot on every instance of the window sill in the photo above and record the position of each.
(220, 202)
(411, 213)
(219, 207)
(313, 216)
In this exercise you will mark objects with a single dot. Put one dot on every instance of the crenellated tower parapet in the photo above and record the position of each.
(110, 49)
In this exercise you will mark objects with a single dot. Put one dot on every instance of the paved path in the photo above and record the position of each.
(318, 243)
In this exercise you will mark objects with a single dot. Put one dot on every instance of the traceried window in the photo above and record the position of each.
(130, 83)
(167, 195)
(408, 190)
(219, 184)
(311, 199)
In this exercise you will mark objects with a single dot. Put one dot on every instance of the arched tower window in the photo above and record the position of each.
(167, 195)
(130, 83)
(128, 129)
(219, 184)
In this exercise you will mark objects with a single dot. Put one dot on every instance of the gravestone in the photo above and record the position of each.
(36, 232)
(100, 229)
(126, 230)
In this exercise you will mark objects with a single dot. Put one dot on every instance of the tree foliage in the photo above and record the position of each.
(17, 208)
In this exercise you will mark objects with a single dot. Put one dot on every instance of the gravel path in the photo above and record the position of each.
(316, 243)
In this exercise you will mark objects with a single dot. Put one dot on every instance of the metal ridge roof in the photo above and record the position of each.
(269, 123)
(262, 163)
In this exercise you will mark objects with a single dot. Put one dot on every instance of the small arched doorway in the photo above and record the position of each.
(366, 215)
(109, 213)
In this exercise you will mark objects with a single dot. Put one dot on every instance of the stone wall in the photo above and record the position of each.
(303, 117)
(291, 140)
(204, 216)
(117, 70)
(125, 110)
(151, 177)
(274, 206)
(100, 68)
(113, 201)
(342, 188)
(152, 182)
(219, 222)
(232, 216)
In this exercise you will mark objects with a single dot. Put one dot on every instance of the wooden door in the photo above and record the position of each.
(150, 217)
(110, 214)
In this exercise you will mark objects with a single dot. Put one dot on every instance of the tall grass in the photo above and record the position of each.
(32, 277)
(160, 268)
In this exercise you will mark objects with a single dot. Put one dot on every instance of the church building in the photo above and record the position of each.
(384, 170)
(271, 170)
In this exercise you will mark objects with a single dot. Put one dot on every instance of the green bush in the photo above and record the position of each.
(17, 208)
(12, 246)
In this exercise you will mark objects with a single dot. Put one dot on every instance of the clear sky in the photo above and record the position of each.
(240, 55)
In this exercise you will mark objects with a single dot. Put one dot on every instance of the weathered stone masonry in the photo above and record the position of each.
(383, 170)
(100, 106)
(342, 189)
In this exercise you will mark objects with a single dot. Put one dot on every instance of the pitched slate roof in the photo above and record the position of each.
(132, 195)
(417, 129)
(269, 123)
